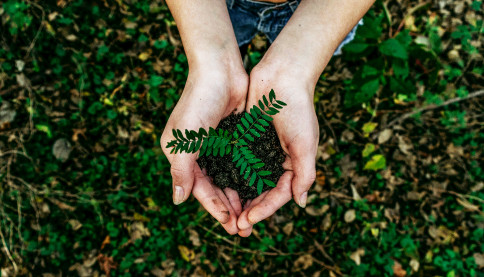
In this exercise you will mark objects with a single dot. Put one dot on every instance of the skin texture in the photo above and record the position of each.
(217, 85)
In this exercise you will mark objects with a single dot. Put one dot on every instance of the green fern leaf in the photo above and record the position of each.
(239, 163)
(229, 148)
(276, 106)
(265, 100)
(258, 165)
(174, 133)
(242, 142)
(240, 128)
(191, 147)
(246, 124)
(180, 135)
(202, 132)
(209, 151)
(188, 135)
(263, 122)
(272, 95)
(197, 145)
(254, 132)
(264, 173)
(204, 147)
(267, 118)
(249, 137)
(253, 160)
(281, 103)
(222, 150)
(252, 179)
(171, 143)
(243, 167)
(260, 185)
(269, 183)
(211, 141)
(172, 150)
(247, 172)
(236, 135)
(212, 132)
(261, 106)
(249, 118)
(259, 127)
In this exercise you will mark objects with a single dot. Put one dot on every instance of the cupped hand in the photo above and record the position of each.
(298, 131)
(209, 96)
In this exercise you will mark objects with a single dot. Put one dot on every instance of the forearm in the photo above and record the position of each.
(314, 32)
(206, 31)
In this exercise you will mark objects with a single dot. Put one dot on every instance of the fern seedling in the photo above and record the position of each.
(222, 142)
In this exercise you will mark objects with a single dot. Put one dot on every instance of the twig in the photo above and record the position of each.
(434, 106)
(38, 31)
(15, 267)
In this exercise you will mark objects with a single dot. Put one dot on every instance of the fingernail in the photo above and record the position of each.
(178, 198)
(303, 199)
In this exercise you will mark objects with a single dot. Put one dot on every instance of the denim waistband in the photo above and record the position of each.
(263, 7)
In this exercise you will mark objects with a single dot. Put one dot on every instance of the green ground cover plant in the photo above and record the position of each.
(86, 88)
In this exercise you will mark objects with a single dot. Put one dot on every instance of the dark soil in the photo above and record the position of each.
(225, 174)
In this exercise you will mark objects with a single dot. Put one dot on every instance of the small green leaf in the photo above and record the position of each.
(252, 179)
(243, 167)
(271, 112)
(248, 117)
(258, 165)
(197, 146)
(180, 135)
(222, 150)
(246, 124)
(377, 162)
(272, 95)
(264, 173)
(265, 100)
(259, 127)
(239, 163)
(266, 117)
(260, 186)
(269, 183)
(263, 122)
(229, 148)
(240, 128)
(254, 160)
(261, 106)
(188, 135)
(257, 110)
(249, 137)
(171, 144)
(174, 133)
(202, 132)
(211, 141)
(191, 147)
(254, 132)
(369, 127)
(247, 172)
(242, 142)
(212, 132)
(369, 148)
(281, 103)
(276, 106)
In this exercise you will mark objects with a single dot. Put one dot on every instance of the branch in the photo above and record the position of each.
(434, 106)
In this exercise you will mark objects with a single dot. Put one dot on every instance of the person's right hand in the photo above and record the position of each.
(210, 94)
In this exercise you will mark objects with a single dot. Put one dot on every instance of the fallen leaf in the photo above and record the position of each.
(303, 262)
(479, 259)
(356, 256)
(194, 238)
(384, 136)
(350, 216)
(415, 265)
(186, 253)
(398, 270)
(62, 148)
(377, 162)
(287, 229)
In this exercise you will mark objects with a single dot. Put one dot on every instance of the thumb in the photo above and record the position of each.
(304, 166)
(182, 173)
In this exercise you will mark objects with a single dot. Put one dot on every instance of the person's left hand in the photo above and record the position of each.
(298, 131)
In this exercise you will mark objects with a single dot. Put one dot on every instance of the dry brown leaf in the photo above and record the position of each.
(356, 256)
(287, 229)
(194, 238)
(398, 270)
(479, 259)
(350, 216)
(303, 262)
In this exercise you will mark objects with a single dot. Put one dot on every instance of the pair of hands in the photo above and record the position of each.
(214, 92)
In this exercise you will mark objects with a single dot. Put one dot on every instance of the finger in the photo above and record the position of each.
(243, 221)
(231, 225)
(274, 200)
(303, 161)
(205, 193)
(234, 200)
(182, 173)
(245, 233)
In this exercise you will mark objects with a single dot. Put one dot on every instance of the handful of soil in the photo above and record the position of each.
(223, 170)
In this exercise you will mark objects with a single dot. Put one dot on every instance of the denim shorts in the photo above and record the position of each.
(250, 17)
